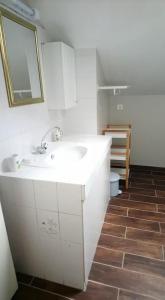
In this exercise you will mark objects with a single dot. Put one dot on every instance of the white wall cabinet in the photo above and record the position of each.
(55, 238)
(60, 75)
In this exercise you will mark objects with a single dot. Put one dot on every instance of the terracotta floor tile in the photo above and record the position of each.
(139, 167)
(147, 215)
(159, 177)
(142, 185)
(159, 182)
(122, 196)
(96, 291)
(30, 293)
(132, 222)
(144, 265)
(160, 187)
(55, 287)
(161, 208)
(160, 193)
(141, 180)
(117, 210)
(140, 191)
(133, 204)
(162, 226)
(108, 256)
(148, 199)
(113, 230)
(125, 295)
(131, 246)
(161, 172)
(146, 236)
(125, 279)
(24, 278)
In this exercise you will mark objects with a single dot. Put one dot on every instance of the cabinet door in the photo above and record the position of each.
(68, 56)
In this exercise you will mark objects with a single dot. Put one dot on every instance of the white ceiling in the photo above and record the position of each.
(128, 34)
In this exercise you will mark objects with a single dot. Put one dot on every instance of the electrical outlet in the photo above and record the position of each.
(119, 106)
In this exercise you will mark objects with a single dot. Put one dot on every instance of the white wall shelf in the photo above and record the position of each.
(113, 87)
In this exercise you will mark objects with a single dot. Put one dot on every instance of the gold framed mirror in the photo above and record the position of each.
(20, 59)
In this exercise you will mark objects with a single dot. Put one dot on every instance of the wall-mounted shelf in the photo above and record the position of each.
(120, 150)
(113, 87)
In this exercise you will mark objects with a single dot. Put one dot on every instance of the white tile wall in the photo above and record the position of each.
(69, 198)
(48, 223)
(52, 259)
(20, 193)
(46, 195)
(26, 242)
(71, 228)
(72, 260)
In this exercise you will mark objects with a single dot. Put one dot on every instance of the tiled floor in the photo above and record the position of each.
(130, 261)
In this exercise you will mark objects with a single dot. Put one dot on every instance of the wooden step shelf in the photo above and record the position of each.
(120, 152)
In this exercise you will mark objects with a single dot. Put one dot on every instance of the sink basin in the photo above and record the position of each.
(61, 155)
(67, 155)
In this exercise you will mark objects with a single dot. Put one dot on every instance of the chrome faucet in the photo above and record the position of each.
(57, 137)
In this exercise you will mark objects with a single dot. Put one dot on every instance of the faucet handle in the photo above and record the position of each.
(44, 145)
(58, 134)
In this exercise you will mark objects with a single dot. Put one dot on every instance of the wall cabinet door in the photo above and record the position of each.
(60, 75)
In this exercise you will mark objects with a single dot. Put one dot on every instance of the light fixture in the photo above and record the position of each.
(22, 9)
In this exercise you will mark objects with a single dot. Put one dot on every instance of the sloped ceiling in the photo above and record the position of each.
(128, 34)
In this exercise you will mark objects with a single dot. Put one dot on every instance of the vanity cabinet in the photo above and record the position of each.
(60, 75)
(54, 227)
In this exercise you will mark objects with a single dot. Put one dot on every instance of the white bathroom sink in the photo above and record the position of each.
(67, 155)
(60, 156)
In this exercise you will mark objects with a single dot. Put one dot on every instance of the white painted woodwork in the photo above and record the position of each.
(60, 75)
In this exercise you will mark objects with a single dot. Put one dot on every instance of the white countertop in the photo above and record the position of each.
(76, 173)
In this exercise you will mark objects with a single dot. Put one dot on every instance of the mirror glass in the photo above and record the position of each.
(21, 60)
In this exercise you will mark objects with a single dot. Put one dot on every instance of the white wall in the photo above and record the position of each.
(21, 127)
(102, 100)
(82, 119)
(147, 116)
